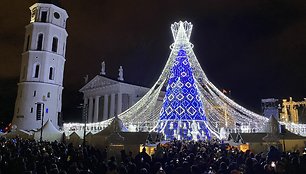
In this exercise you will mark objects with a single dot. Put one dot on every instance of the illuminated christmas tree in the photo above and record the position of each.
(182, 115)
(188, 94)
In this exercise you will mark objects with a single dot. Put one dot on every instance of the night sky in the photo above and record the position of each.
(254, 48)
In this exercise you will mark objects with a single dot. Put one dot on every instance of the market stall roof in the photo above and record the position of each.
(49, 133)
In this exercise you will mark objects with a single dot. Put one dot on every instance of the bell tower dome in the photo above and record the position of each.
(40, 86)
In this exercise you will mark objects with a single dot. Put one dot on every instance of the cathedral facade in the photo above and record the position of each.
(105, 97)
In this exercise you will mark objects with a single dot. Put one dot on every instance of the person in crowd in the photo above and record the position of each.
(176, 157)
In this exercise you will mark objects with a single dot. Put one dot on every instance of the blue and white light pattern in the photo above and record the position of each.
(182, 114)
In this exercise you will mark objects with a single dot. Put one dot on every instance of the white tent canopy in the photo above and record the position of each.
(49, 133)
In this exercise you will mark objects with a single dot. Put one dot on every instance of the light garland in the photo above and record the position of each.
(220, 111)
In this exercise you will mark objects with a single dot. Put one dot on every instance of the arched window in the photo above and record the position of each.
(51, 73)
(54, 44)
(36, 71)
(48, 95)
(40, 41)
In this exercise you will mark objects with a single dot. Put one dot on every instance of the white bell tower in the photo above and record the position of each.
(41, 77)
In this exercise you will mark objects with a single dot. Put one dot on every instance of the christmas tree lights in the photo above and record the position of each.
(182, 115)
(193, 107)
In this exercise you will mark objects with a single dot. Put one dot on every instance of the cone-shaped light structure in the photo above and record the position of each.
(183, 103)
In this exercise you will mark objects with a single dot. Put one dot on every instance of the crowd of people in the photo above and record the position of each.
(175, 157)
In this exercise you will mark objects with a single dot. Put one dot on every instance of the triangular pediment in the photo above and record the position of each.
(98, 82)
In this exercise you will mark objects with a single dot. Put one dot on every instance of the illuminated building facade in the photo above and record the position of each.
(290, 110)
(40, 86)
(106, 97)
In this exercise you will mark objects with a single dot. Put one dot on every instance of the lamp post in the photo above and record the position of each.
(85, 115)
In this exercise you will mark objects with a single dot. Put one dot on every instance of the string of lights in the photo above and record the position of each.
(185, 82)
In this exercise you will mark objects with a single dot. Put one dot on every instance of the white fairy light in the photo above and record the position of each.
(220, 110)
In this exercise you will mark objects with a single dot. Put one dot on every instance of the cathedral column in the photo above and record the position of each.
(85, 101)
(105, 107)
(112, 106)
(96, 111)
(90, 108)
(119, 103)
